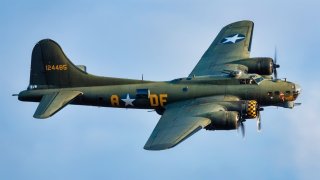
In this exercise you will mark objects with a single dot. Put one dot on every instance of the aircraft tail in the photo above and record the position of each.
(50, 68)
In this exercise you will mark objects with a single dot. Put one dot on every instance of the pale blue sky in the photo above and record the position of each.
(163, 40)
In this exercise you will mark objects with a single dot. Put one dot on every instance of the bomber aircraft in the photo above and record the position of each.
(224, 89)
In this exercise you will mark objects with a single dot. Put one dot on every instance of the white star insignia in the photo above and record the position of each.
(232, 39)
(128, 100)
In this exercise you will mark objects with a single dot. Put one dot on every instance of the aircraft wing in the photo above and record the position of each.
(53, 102)
(232, 43)
(179, 121)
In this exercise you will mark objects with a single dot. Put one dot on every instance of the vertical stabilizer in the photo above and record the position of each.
(50, 68)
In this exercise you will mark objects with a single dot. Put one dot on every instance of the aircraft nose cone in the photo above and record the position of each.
(297, 91)
(298, 88)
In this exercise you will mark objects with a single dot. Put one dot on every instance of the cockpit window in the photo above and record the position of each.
(258, 80)
(30, 87)
(247, 81)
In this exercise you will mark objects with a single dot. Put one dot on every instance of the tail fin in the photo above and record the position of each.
(50, 68)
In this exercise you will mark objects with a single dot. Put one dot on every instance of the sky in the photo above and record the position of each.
(162, 40)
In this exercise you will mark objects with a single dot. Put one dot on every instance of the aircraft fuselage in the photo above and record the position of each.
(155, 95)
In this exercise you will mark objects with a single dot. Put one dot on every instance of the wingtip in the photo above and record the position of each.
(158, 147)
(40, 116)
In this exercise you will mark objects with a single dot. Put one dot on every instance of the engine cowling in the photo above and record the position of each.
(223, 120)
(228, 120)
(262, 66)
(251, 109)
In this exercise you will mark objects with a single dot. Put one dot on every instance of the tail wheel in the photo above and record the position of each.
(252, 109)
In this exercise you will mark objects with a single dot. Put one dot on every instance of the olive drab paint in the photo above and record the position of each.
(155, 100)
(224, 89)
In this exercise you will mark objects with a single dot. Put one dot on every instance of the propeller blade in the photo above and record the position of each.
(241, 126)
(259, 109)
(275, 55)
(275, 65)
(243, 130)
(259, 122)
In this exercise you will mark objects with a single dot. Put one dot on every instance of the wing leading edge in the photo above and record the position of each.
(232, 43)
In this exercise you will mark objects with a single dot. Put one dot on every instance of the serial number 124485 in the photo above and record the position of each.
(58, 67)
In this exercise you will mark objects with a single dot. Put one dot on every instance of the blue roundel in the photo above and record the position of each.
(234, 38)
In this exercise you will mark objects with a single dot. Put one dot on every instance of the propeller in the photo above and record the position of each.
(241, 126)
(259, 122)
(259, 109)
(275, 65)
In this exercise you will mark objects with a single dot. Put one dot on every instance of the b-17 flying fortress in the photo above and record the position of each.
(225, 88)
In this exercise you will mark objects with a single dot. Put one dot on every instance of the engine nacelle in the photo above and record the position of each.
(223, 120)
(262, 66)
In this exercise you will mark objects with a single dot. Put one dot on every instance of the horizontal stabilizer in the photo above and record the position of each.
(52, 103)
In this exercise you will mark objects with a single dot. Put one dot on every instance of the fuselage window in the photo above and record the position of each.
(142, 93)
(185, 89)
